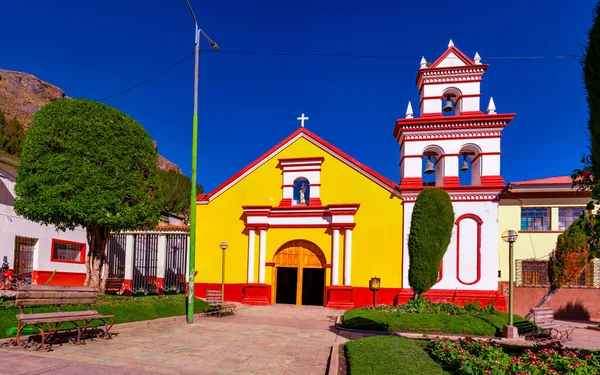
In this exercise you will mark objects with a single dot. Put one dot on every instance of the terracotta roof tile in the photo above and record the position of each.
(556, 180)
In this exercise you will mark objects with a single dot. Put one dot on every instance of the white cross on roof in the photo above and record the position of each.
(302, 118)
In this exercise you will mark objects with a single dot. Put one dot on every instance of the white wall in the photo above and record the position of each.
(488, 213)
(12, 225)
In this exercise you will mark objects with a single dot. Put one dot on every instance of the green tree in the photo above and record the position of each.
(87, 164)
(570, 256)
(176, 189)
(591, 79)
(12, 135)
(430, 233)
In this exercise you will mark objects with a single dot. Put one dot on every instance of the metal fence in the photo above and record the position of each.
(145, 259)
(116, 256)
(176, 262)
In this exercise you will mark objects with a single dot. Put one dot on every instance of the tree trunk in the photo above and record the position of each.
(416, 296)
(96, 273)
(549, 294)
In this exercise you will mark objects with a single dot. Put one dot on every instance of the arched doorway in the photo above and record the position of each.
(299, 274)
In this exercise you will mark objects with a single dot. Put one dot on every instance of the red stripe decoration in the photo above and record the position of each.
(479, 222)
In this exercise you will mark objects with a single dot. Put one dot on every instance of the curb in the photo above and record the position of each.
(334, 359)
(593, 328)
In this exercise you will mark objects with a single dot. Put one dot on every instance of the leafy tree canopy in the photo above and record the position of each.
(176, 189)
(85, 163)
(430, 233)
(12, 135)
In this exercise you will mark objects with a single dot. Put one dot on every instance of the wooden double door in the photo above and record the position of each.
(299, 274)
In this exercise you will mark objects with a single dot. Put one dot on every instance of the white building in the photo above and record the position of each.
(33, 247)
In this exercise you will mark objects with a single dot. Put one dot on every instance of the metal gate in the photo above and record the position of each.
(176, 262)
(145, 259)
(24, 254)
(116, 256)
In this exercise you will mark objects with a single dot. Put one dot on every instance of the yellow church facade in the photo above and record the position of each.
(296, 233)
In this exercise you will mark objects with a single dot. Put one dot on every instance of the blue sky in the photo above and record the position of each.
(248, 103)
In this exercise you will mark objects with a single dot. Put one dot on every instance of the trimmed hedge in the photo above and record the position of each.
(430, 233)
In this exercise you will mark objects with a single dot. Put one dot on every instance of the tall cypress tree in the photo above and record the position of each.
(591, 76)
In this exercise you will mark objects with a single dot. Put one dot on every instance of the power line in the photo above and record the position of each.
(311, 54)
(148, 79)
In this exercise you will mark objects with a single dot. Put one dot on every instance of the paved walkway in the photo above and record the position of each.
(278, 339)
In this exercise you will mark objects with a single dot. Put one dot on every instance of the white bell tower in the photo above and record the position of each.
(450, 130)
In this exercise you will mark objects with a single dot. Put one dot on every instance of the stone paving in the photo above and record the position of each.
(278, 339)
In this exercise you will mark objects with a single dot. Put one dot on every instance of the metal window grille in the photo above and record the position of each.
(534, 273)
(176, 262)
(116, 256)
(24, 254)
(67, 251)
(145, 259)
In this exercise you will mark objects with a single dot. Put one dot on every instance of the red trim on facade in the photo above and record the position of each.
(81, 252)
(327, 265)
(441, 273)
(270, 264)
(127, 287)
(256, 294)
(60, 278)
(342, 225)
(160, 285)
(339, 297)
(233, 292)
(411, 182)
(449, 139)
(479, 222)
(311, 160)
(467, 113)
(329, 148)
(409, 156)
(495, 181)
(287, 186)
(451, 122)
(315, 169)
(452, 49)
(451, 181)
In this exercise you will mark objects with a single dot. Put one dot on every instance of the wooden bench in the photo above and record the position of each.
(545, 331)
(214, 299)
(40, 295)
(113, 286)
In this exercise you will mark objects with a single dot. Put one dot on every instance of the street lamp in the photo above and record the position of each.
(223, 245)
(510, 236)
(192, 257)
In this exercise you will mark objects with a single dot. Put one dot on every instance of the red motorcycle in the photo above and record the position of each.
(10, 280)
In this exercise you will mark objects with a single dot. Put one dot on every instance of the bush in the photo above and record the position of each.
(423, 306)
(430, 233)
(469, 356)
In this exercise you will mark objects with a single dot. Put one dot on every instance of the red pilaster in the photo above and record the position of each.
(256, 294)
(451, 181)
(160, 285)
(127, 287)
(340, 297)
(492, 181)
(411, 183)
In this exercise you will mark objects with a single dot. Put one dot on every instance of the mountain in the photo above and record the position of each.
(22, 95)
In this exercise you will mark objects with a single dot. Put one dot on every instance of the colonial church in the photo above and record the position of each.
(297, 235)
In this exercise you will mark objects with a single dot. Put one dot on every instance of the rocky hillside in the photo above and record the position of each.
(22, 94)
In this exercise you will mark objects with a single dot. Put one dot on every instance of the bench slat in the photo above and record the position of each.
(64, 319)
(58, 288)
(55, 294)
(57, 301)
(57, 314)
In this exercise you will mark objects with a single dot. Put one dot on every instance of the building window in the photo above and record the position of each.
(301, 192)
(24, 254)
(534, 273)
(567, 215)
(68, 252)
(535, 219)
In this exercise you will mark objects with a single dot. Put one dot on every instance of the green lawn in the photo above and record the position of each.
(389, 355)
(476, 324)
(125, 309)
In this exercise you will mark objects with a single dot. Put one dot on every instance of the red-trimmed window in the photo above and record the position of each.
(67, 251)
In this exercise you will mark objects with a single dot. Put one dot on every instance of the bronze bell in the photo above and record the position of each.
(448, 107)
(465, 166)
(429, 168)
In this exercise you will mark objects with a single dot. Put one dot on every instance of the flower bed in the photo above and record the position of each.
(422, 306)
(469, 356)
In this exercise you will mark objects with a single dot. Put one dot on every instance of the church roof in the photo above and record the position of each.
(317, 141)
(458, 53)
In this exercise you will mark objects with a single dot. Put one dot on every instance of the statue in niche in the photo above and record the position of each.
(302, 194)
